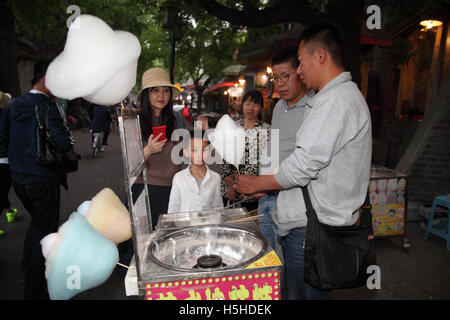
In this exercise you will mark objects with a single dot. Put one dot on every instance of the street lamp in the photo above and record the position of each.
(429, 24)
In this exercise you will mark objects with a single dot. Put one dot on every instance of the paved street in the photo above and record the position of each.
(421, 273)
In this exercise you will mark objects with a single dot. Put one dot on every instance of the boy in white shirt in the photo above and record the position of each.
(196, 188)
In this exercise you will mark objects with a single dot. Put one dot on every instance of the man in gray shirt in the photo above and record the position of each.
(332, 156)
(287, 117)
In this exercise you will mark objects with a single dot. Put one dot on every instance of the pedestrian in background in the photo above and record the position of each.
(257, 134)
(100, 123)
(38, 188)
(5, 173)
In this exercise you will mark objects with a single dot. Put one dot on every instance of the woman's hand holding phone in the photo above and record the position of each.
(153, 145)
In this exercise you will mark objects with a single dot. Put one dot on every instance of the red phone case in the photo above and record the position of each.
(158, 130)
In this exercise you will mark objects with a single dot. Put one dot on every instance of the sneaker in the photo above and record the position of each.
(102, 148)
(11, 215)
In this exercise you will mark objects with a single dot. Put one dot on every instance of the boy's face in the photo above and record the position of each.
(198, 151)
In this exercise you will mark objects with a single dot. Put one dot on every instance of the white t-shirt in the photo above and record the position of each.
(187, 196)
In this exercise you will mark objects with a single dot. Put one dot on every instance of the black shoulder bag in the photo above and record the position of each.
(48, 154)
(338, 257)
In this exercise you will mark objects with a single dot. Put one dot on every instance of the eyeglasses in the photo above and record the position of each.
(282, 77)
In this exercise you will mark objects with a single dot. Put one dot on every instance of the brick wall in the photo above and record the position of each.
(430, 174)
(427, 160)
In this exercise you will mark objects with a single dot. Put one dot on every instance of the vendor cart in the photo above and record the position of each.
(388, 197)
(206, 255)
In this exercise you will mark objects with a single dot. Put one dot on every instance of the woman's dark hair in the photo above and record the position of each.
(166, 118)
(255, 97)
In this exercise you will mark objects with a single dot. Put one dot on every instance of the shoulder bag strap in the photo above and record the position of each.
(366, 212)
(365, 217)
(38, 119)
(310, 212)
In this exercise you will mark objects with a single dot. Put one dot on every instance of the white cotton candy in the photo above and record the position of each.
(48, 243)
(228, 139)
(97, 64)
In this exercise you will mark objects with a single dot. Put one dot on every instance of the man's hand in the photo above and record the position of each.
(231, 193)
(230, 180)
(246, 184)
(256, 185)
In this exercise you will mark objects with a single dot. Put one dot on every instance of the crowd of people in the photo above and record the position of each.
(324, 136)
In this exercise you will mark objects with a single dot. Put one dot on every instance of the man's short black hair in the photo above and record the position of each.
(327, 35)
(39, 71)
(288, 54)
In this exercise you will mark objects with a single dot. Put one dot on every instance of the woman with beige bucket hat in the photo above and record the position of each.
(156, 98)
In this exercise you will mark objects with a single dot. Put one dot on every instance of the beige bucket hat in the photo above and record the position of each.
(4, 98)
(157, 77)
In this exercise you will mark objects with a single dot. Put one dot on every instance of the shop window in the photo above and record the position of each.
(418, 75)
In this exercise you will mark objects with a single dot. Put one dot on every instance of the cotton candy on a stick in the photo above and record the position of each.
(97, 64)
(83, 253)
(108, 215)
(228, 139)
(77, 258)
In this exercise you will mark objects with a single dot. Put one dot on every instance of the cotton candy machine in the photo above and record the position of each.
(208, 255)
(207, 248)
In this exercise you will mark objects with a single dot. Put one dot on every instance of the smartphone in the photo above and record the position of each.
(158, 130)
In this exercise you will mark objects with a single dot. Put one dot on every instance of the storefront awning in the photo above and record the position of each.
(375, 38)
(220, 85)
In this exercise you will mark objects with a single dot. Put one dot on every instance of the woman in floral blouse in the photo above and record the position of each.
(257, 134)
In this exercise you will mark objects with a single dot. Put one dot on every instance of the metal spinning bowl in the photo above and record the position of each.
(186, 249)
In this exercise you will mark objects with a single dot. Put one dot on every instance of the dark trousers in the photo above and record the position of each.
(42, 201)
(159, 199)
(159, 203)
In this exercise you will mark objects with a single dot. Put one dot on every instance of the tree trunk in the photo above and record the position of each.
(9, 75)
(199, 91)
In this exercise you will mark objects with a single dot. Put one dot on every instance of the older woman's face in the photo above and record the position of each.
(159, 97)
(251, 109)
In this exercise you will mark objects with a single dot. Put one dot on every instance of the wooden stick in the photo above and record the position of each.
(253, 211)
(245, 219)
(122, 265)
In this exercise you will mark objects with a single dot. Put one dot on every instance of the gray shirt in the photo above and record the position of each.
(285, 123)
(332, 156)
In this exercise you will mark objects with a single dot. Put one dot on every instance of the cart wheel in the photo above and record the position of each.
(405, 244)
